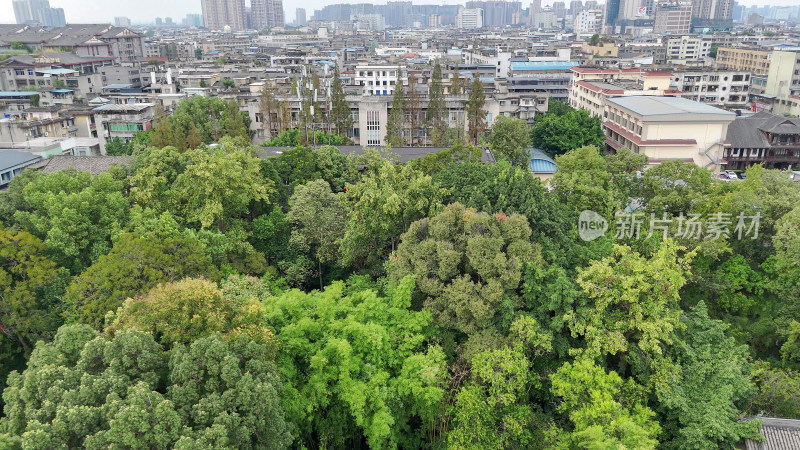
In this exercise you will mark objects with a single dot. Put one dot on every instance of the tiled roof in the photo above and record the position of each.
(92, 164)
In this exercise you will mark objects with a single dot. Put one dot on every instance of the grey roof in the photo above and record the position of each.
(746, 132)
(13, 158)
(779, 434)
(403, 154)
(669, 108)
(92, 164)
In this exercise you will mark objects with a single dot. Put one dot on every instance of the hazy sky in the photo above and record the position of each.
(104, 11)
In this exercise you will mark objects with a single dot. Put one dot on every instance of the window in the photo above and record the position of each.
(373, 128)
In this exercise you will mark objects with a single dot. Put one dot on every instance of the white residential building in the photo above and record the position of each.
(377, 80)
(588, 22)
(469, 18)
(720, 88)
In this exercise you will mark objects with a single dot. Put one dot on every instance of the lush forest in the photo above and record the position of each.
(206, 298)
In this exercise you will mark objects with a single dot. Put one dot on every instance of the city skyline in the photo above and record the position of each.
(145, 11)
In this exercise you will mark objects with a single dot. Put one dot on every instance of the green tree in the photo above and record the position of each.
(217, 188)
(134, 265)
(625, 168)
(117, 147)
(468, 265)
(198, 53)
(75, 214)
(380, 208)
(233, 122)
(268, 107)
(317, 221)
(228, 84)
(271, 234)
(700, 389)
(184, 311)
(604, 410)
(674, 187)
(494, 409)
(631, 301)
(356, 366)
(126, 392)
(510, 139)
(395, 127)
(437, 113)
(583, 182)
(560, 132)
(778, 391)
(476, 114)
(30, 284)
(340, 115)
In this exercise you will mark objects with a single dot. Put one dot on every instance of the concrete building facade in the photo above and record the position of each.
(668, 128)
(221, 13)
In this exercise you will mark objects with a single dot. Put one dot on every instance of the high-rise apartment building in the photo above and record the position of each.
(673, 18)
(588, 22)
(533, 10)
(122, 21)
(496, 13)
(267, 14)
(300, 17)
(221, 13)
(469, 18)
(712, 10)
(39, 12)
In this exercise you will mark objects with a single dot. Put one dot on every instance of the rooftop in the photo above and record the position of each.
(543, 65)
(13, 158)
(670, 108)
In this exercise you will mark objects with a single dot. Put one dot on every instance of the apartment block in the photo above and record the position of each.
(590, 90)
(219, 14)
(725, 89)
(686, 50)
(755, 60)
(763, 138)
(673, 18)
(469, 18)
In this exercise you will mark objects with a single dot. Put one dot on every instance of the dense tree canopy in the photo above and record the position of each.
(218, 296)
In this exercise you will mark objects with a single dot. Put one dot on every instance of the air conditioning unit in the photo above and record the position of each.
(46, 134)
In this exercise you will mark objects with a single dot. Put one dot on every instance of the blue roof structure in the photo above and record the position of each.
(543, 65)
(62, 91)
(8, 94)
(57, 71)
(13, 158)
(541, 162)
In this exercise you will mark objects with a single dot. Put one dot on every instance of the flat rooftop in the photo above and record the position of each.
(668, 108)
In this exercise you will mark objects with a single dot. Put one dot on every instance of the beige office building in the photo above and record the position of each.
(668, 128)
(753, 60)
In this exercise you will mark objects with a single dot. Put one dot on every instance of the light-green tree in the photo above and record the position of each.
(510, 139)
(605, 410)
(437, 113)
(340, 116)
(75, 214)
(476, 114)
(357, 366)
(395, 126)
(134, 265)
(380, 208)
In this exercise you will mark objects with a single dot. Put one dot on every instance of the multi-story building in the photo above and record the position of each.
(588, 22)
(783, 81)
(300, 17)
(668, 128)
(122, 21)
(267, 14)
(377, 80)
(726, 89)
(122, 121)
(685, 50)
(489, 57)
(674, 17)
(712, 10)
(551, 77)
(221, 13)
(591, 87)
(763, 138)
(750, 59)
(39, 12)
(469, 18)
